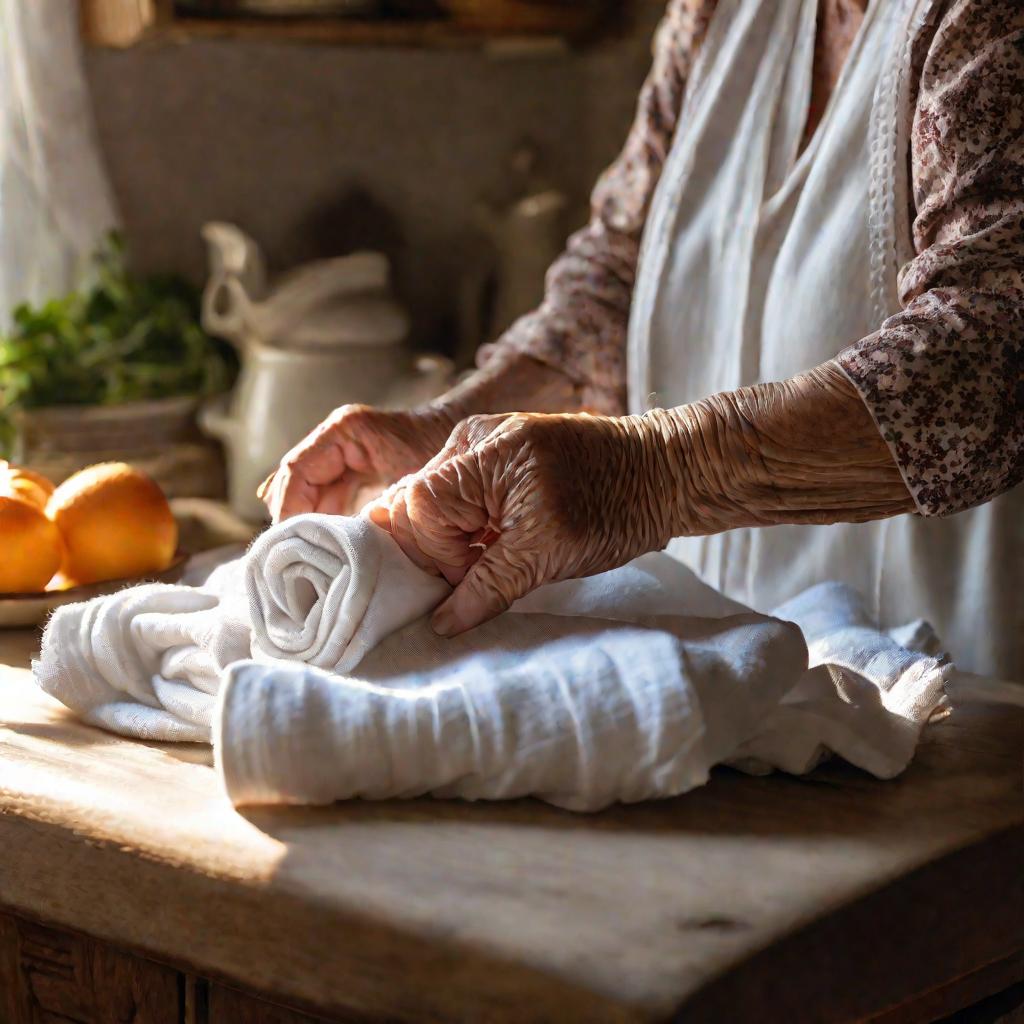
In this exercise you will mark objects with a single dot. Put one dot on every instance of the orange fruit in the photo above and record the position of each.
(17, 482)
(30, 546)
(115, 523)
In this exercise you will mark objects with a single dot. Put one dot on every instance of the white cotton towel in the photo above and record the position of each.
(867, 693)
(312, 661)
(147, 661)
(580, 712)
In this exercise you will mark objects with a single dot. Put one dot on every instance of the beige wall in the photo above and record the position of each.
(316, 150)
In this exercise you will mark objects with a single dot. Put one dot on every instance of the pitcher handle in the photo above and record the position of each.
(215, 419)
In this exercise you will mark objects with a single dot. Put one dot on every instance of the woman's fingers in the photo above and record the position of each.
(327, 469)
(466, 435)
(450, 519)
(488, 589)
(343, 496)
(436, 518)
(444, 531)
(296, 485)
(357, 449)
(393, 517)
(450, 509)
(516, 501)
(286, 494)
(291, 494)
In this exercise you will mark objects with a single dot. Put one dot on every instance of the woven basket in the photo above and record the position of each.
(64, 429)
(160, 437)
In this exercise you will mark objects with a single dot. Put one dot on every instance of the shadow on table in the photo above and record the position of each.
(67, 730)
(731, 804)
(963, 763)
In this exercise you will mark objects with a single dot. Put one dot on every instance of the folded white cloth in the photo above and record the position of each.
(147, 661)
(313, 663)
(578, 712)
(866, 694)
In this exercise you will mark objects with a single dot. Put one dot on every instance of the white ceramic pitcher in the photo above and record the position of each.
(325, 335)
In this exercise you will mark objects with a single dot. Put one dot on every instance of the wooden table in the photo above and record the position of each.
(135, 893)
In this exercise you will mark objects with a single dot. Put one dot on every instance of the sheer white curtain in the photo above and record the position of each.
(55, 200)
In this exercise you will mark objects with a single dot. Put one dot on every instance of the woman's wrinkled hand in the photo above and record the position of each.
(516, 501)
(351, 457)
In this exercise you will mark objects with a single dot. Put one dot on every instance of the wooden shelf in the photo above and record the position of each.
(349, 32)
(531, 27)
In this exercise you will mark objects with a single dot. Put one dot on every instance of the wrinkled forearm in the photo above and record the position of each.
(516, 501)
(803, 450)
(515, 383)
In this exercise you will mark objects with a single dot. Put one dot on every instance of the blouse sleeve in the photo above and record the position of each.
(944, 378)
(580, 328)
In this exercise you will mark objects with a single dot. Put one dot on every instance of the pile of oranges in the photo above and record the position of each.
(107, 522)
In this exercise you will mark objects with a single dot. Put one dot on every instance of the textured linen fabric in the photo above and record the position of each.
(579, 712)
(887, 683)
(943, 377)
(146, 662)
(625, 686)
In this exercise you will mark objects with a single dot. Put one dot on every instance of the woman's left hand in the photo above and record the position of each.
(515, 501)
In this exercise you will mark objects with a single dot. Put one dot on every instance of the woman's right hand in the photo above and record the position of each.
(352, 457)
(358, 451)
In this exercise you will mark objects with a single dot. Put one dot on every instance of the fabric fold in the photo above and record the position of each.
(867, 692)
(310, 665)
(147, 661)
(579, 712)
(326, 590)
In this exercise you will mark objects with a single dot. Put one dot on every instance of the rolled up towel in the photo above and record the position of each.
(147, 661)
(325, 590)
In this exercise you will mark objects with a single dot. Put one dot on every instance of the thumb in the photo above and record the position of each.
(492, 584)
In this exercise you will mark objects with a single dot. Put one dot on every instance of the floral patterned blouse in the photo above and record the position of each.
(944, 377)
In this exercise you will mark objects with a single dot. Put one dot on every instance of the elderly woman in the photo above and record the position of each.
(802, 279)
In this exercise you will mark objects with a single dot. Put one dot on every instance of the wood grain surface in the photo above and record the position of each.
(226, 1006)
(52, 976)
(829, 898)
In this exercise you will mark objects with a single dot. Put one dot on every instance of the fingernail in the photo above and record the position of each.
(379, 516)
(443, 622)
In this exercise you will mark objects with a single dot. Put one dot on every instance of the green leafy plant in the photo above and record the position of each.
(124, 338)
